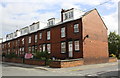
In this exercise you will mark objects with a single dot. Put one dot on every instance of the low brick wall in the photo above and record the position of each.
(34, 62)
(14, 60)
(112, 59)
(66, 63)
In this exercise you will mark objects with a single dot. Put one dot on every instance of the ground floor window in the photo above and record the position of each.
(77, 47)
(49, 48)
(40, 48)
(29, 49)
(63, 47)
(43, 47)
(35, 48)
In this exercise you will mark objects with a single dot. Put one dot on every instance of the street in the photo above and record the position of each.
(105, 69)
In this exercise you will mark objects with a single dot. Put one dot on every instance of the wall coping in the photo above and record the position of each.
(68, 60)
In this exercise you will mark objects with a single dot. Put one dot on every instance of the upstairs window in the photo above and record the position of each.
(29, 40)
(63, 47)
(48, 35)
(68, 15)
(48, 48)
(40, 35)
(35, 38)
(63, 32)
(50, 22)
(9, 44)
(76, 28)
(22, 40)
(77, 48)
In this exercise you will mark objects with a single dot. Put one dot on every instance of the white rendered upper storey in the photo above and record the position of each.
(71, 14)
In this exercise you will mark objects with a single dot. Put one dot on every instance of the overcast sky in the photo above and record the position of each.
(15, 14)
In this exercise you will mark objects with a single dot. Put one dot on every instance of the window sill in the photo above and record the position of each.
(77, 50)
(63, 52)
(76, 32)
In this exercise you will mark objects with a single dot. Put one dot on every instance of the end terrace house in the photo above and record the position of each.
(77, 35)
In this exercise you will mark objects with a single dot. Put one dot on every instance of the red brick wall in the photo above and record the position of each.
(96, 46)
(67, 63)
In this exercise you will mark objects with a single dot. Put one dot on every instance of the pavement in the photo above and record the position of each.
(16, 69)
(77, 68)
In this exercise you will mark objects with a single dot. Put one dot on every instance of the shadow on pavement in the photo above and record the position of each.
(111, 74)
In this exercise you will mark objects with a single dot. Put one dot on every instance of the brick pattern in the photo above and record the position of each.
(65, 64)
(95, 48)
(111, 59)
(14, 60)
(34, 62)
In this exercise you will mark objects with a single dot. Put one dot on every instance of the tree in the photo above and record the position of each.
(114, 44)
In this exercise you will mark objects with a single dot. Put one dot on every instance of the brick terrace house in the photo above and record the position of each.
(77, 35)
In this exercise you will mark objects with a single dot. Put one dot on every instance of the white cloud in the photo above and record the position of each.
(111, 22)
(24, 12)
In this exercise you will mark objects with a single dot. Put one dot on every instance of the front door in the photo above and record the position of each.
(70, 49)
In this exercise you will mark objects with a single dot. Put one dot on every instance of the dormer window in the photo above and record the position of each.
(51, 21)
(67, 15)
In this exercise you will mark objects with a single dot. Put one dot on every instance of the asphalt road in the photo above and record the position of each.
(107, 69)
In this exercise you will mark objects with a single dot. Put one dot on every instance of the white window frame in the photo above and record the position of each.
(63, 46)
(48, 35)
(33, 49)
(44, 47)
(77, 45)
(49, 48)
(63, 32)
(36, 37)
(40, 48)
(76, 28)
(23, 40)
(29, 49)
(29, 40)
(40, 35)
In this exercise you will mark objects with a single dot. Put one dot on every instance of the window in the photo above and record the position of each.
(63, 32)
(48, 35)
(77, 48)
(23, 49)
(50, 23)
(35, 48)
(68, 15)
(40, 47)
(43, 47)
(9, 44)
(29, 49)
(32, 48)
(63, 47)
(48, 48)
(40, 35)
(22, 40)
(29, 41)
(76, 28)
(35, 38)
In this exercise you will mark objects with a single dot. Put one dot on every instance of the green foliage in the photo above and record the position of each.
(114, 44)
(112, 55)
(42, 56)
(11, 55)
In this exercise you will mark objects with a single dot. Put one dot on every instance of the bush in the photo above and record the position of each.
(112, 55)
(42, 56)
(11, 55)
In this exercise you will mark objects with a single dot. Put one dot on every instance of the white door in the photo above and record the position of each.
(70, 49)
